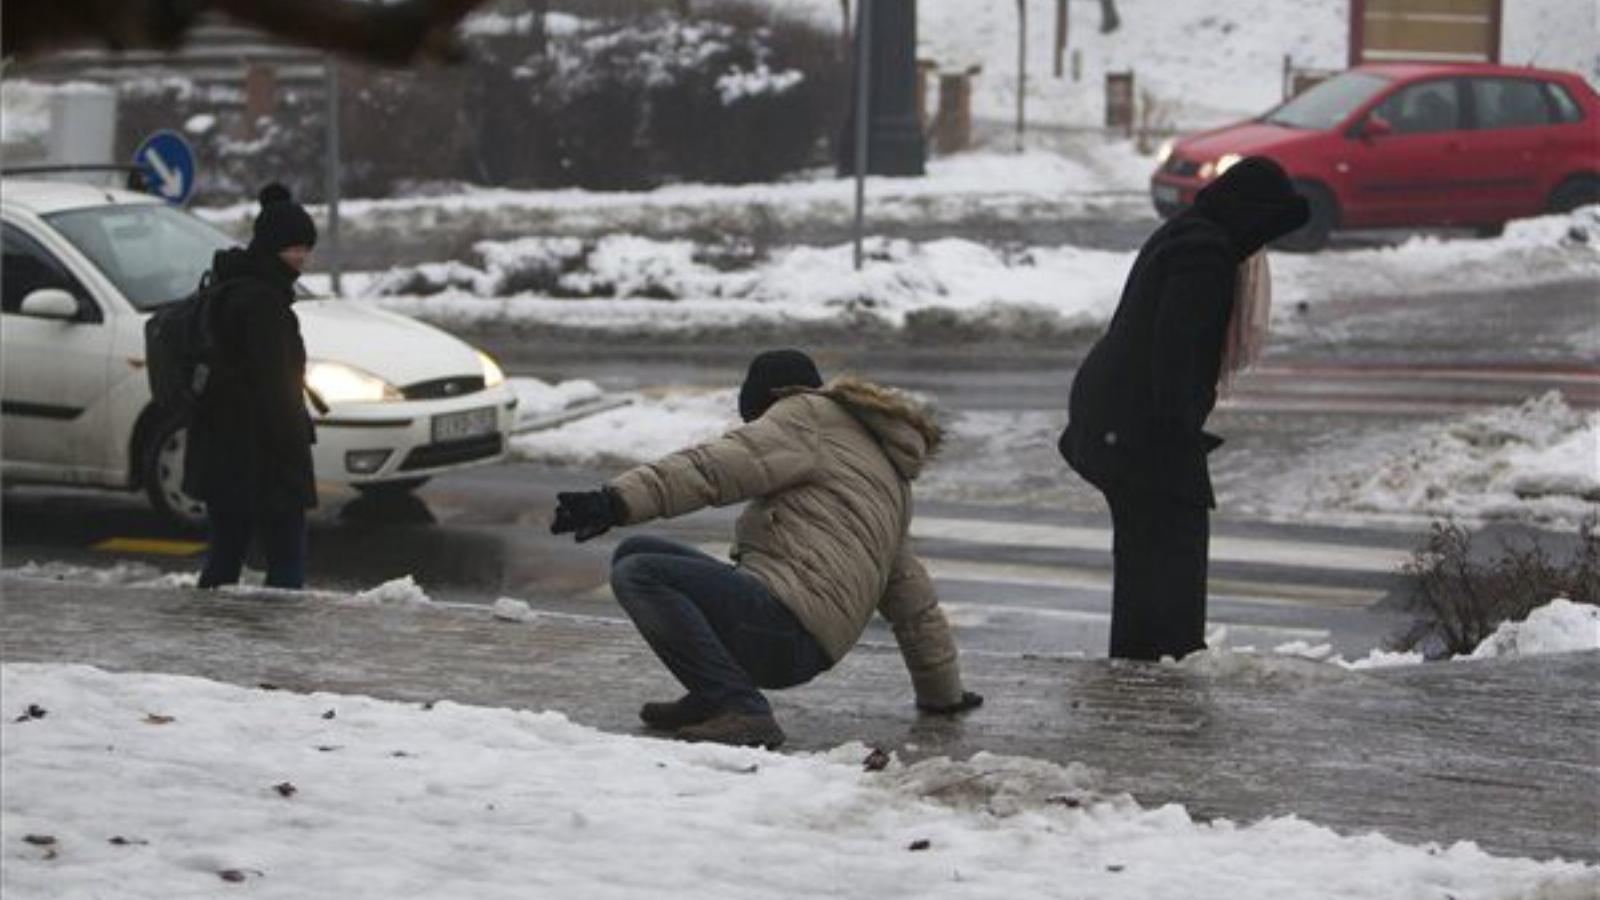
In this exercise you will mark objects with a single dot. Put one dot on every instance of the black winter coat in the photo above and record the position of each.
(1140, 400)
(250, 439)
(1142, 395)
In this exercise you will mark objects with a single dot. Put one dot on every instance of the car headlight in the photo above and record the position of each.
(338, 383)
(492, 373)
(1215, 167)
(1164, 152)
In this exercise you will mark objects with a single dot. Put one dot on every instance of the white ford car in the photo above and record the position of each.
(83, 269)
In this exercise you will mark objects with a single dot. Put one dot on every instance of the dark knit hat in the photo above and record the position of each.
(282, 222)
(769, 373)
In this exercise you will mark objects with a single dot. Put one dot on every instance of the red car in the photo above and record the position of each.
(1412, 145)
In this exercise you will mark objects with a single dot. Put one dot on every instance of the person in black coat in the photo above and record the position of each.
(1141, 398)
(249, 452)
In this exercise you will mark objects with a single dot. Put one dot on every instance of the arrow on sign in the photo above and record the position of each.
(171, 185)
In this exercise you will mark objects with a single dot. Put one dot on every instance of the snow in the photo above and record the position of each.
(1559, 626)
(761, 81)
(510, 609)
(121, 574)
(402, 592)
(200, 124)
(632, 283)
(987, 179)
(536, 399)
(1537, 461)
(386, 799)
(654, 424)
(1203, 64)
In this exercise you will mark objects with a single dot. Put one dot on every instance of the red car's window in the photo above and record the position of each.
(1510, 103)
(1566, 108)
(1423, 108)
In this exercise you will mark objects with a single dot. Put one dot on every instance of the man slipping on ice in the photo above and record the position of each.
(821, 545)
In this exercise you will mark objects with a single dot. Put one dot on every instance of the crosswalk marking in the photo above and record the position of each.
(1219, 590)
(1299, 554)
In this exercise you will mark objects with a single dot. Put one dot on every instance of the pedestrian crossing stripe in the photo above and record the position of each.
(149, 546)
(1297, 554)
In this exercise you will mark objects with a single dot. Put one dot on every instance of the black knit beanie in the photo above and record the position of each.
(281, 222)
(770, 372)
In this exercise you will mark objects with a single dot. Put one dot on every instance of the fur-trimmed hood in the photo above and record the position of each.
(907, 429)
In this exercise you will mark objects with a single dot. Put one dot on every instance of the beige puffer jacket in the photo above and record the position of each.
(830, 474)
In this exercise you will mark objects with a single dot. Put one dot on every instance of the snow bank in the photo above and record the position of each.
(25, 106)
(633, 283)
(998, 184)
(1559, 626)
(653, 425)
(536, 398)
(1538, 461)
(386, 799)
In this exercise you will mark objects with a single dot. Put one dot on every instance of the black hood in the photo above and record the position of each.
(1254, 202)
(237, 262)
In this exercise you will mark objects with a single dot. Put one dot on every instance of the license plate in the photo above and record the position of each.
(469, 424)
(1165, 193)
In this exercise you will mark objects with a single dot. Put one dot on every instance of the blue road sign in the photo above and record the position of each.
(168, 164)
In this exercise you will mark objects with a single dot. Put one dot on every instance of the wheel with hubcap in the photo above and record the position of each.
(1313, 235)
(163, 477)
(1579, 190)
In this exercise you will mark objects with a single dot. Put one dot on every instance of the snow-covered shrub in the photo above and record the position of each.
(636, 103)
(1462, 595)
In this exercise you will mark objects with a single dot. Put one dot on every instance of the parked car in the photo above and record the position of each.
(83, 269)
(1412, 145)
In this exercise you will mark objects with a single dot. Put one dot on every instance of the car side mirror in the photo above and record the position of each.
(1375, 126)
(49, 303)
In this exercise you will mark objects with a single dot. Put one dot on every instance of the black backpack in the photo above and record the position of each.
(179, 349)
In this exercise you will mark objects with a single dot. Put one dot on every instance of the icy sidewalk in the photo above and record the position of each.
(1501, 753)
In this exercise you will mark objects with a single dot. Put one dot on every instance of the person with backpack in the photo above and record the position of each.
(822, 544)
(249, 448)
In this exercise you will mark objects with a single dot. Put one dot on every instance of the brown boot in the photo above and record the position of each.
(680, 713)
(736, 729)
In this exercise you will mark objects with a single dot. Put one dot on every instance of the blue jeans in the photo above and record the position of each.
(716, 627)
(281, 532)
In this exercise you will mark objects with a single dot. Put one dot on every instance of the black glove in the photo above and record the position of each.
(969, 700)
(585, 514)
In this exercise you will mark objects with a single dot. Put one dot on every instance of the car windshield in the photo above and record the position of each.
(1329, 103)
(153, 253)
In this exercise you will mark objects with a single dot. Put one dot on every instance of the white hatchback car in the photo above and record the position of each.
(84, 267)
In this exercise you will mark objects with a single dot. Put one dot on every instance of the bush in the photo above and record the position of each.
(636, 104)
(234, 156)
(1461, 595)
(597, 103)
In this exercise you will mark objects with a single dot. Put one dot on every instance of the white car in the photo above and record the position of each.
(84, 267)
